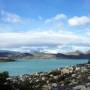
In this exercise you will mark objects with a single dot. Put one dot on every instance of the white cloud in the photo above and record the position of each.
(10, 17)
(47, 41)
(58, 17)
(75, 21)
(33, 38)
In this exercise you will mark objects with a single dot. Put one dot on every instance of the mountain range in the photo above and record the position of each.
(6, 55)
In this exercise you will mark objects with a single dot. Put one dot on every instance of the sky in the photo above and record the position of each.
(45, 25)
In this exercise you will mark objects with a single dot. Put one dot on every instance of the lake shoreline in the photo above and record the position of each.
(20, 67)
(67, 78)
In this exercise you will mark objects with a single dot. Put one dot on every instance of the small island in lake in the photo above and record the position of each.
(6, 59)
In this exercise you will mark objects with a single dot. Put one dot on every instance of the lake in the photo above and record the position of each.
(21, 67)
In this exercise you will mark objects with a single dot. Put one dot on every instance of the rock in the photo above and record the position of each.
(46, 87)
(88, 77)
(54, 84)
(43, 78)
(64, 71)
(79, 87)
(87, 85)
(73, 75)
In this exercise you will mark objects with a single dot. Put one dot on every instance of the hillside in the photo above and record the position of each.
(13, 55)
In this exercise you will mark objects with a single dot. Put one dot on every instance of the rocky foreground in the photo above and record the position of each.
(68, 78)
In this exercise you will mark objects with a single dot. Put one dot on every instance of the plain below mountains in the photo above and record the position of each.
(6, 55)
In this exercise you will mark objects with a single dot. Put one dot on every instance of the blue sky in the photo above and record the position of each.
(46, 8)
(54, 25)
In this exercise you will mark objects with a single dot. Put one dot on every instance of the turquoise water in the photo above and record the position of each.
(30, 66)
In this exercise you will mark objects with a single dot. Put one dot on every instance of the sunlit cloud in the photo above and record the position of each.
(82, 20)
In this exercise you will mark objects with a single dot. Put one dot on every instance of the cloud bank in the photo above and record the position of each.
(54, 34)
(43, 40)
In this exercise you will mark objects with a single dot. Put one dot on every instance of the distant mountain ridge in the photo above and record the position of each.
(13, 55)
(74, 55)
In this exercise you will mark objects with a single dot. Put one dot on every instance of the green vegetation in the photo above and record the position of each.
(89, 62)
